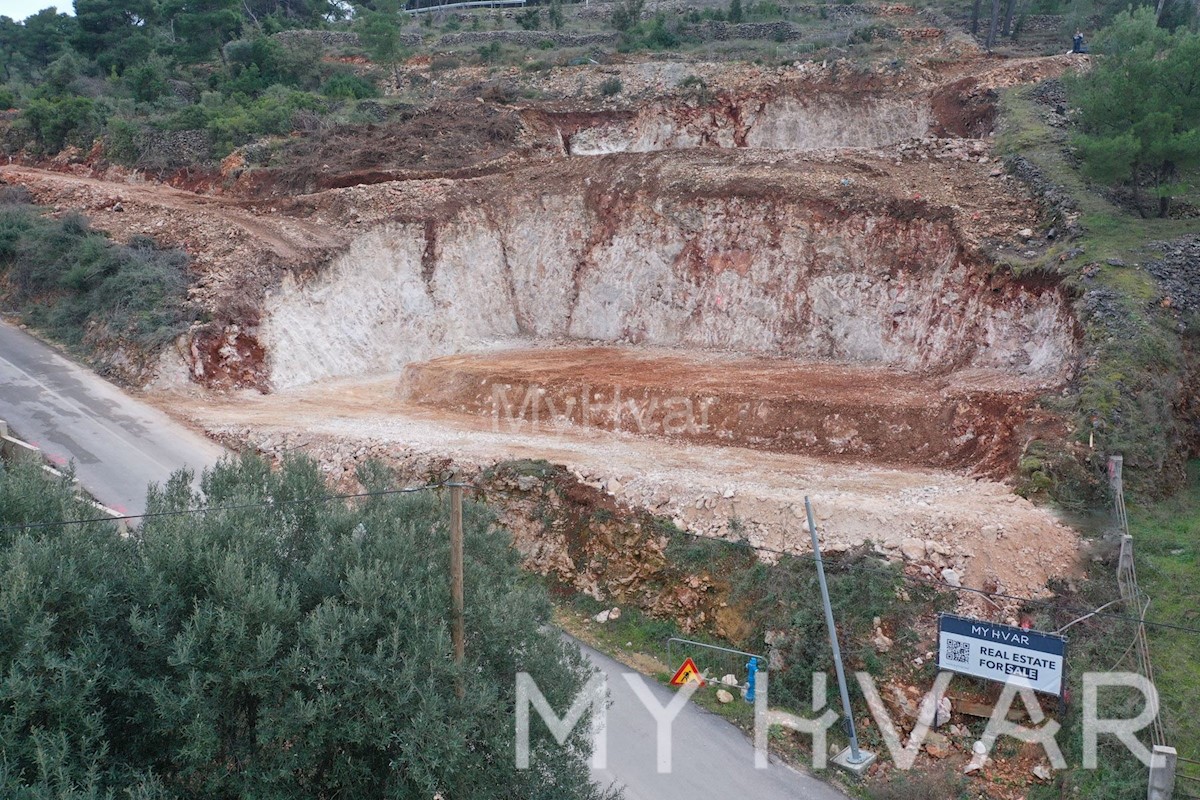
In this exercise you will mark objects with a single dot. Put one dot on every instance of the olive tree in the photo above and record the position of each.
(277, 648)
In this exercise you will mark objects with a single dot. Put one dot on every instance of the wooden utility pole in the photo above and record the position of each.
(456, 579)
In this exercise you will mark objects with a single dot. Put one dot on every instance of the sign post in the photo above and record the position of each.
(853, 759)
(687, 673)
(998, 652)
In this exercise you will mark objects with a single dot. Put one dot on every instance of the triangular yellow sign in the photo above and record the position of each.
(687, 674)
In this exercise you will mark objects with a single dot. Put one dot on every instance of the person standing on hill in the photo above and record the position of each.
(1077, 42)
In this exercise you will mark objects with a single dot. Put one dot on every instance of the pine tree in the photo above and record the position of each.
(1140, 107)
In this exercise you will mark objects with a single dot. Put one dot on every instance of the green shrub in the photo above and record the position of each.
(530, 19)
(697, 88)
(147, 82)
(348, 86)
(54, 123)
(656, 34)
(611, 87)
(786, 597)
(490, 52)
(8, 98)
(82, 289)
(626, 14)
(122, 141)
(277, 650)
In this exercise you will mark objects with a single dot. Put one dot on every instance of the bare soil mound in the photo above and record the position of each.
(841, 411)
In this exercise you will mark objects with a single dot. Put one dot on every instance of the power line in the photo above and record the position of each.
(451, 484)
(237, 507)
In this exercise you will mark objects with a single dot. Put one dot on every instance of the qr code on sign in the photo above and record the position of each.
(958, 651)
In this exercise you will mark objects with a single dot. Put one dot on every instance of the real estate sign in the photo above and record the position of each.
(1001, 652)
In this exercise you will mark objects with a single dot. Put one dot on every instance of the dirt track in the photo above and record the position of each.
(994, 538)
(831, 410)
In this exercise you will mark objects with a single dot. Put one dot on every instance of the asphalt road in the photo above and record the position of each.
(119, 445)
(710, 758)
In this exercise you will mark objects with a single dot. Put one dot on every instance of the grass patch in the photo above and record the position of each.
(1167, 551)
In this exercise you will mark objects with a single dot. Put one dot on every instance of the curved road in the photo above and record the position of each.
(120, 444)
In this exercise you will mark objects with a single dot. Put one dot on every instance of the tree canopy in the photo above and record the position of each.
(1139, 106)
(278, 649)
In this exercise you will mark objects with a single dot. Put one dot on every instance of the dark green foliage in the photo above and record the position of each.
(116, 33)
(488, 53)
(556, 14)
(1140, 107)
(147, 82)
(239, 119)
(348, 86)
(379, 31)
(73, 75)
(735, 10)
(627, 13)
(530, 19)
(656, 34)
(83, 289)
(43, 37)
(202, 26)
(279, 651)
(52, 124)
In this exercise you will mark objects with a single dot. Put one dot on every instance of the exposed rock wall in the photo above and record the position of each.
(722, 267)
(785, 122)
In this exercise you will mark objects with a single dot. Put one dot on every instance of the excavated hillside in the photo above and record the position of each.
(708, 307)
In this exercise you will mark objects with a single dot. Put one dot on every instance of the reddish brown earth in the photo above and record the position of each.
(840, 411)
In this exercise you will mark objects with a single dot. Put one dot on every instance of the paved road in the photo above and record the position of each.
(710, 758)
(119, 444)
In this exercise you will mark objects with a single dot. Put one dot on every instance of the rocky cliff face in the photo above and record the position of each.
(779, 122)
(799, 260)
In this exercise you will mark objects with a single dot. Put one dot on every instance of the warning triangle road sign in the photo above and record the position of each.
(687, 674)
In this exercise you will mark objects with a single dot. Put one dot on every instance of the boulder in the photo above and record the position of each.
(912, 549)
(943, 712)
(724, 696)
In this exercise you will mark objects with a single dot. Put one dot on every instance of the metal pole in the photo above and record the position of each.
(456, 580)
(855, 756)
